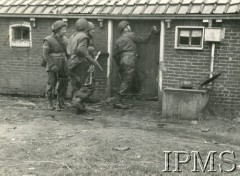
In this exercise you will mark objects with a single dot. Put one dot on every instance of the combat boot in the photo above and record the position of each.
(61, 105)
(50, 104)
(80, 108)
(119, 104)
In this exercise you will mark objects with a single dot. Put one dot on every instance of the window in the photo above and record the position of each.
(20, 35)
(187, 37)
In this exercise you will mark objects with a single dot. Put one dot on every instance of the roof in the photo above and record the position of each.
(120, 8)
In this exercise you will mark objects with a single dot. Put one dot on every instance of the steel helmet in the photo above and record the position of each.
(122, 25)
(91, 26)
(81, 24)
(57, 25)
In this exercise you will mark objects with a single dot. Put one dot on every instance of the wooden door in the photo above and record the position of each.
(147, 64)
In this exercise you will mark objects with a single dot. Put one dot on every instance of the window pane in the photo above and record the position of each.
(196, 33)
(184, 40)
(189, 37)
(196, 41)
(21, 33)
(25, 33)
(196, 37)
(184, 33)
(17, 33)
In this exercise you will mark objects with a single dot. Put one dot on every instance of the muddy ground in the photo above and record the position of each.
(38, 142)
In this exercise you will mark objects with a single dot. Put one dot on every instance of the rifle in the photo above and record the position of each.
(91, 70)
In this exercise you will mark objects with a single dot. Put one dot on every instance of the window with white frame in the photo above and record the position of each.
(20, 35)
(189, 37)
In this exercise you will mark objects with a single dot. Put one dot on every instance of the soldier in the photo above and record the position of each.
(91, 31)
(78, 64)
(125, 55)
(54, 53)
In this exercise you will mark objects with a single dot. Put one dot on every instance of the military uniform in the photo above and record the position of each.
(78, 64)
(54, 55)
(125, 54)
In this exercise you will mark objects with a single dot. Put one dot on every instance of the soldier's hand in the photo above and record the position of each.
(94, 62)
(154, 30)
(54, 68)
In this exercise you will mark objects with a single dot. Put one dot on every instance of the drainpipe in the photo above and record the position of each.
(212, 52)
(161, 62)
(109, 61)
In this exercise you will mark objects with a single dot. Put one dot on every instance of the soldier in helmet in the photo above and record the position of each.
(125, 55)
(54, 53)
(78, 64)
(91, 48)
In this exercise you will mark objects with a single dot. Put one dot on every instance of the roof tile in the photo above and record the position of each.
(219, 9)
(207, 9)
(104, 2)
(139, 9)
(133, 2)
(67, 10)
(175, 2)
(164, 2)
(45, 2)
(195, 9)
(233, 8)
(9, 2)
(171, 9)
(87, 9)
(111, 2)
(83, 2)
(94, 2)
(223, 1)
(12, 9)
(63, 2)
(29, 9)
(107, 10)
(48, 9)
(53, 2)
(4, 9)
(122, 2)
(234, 2)
(39, 9)
(20, 9)
(142, 1)
(72, 2)
(127, 10)
(17, 2)
(117, 10)
(198, 1)
(160, 9)
(186, 1)
(153, 2)
(149, 9)
(78, 9)
(58, 9)
(26, 2)
(125, 7)
(210, 1)
(35, 2)
(3, 2)
(183, 9)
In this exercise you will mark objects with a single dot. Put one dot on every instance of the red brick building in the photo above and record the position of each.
(198, 38)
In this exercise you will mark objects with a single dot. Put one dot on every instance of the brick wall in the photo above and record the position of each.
(194, 65)
(20, 70)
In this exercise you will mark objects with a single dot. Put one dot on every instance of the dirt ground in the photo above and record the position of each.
(38, 142)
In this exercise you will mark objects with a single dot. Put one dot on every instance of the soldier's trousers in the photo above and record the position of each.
(78, 76)
(128, 73)
(57, 84)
